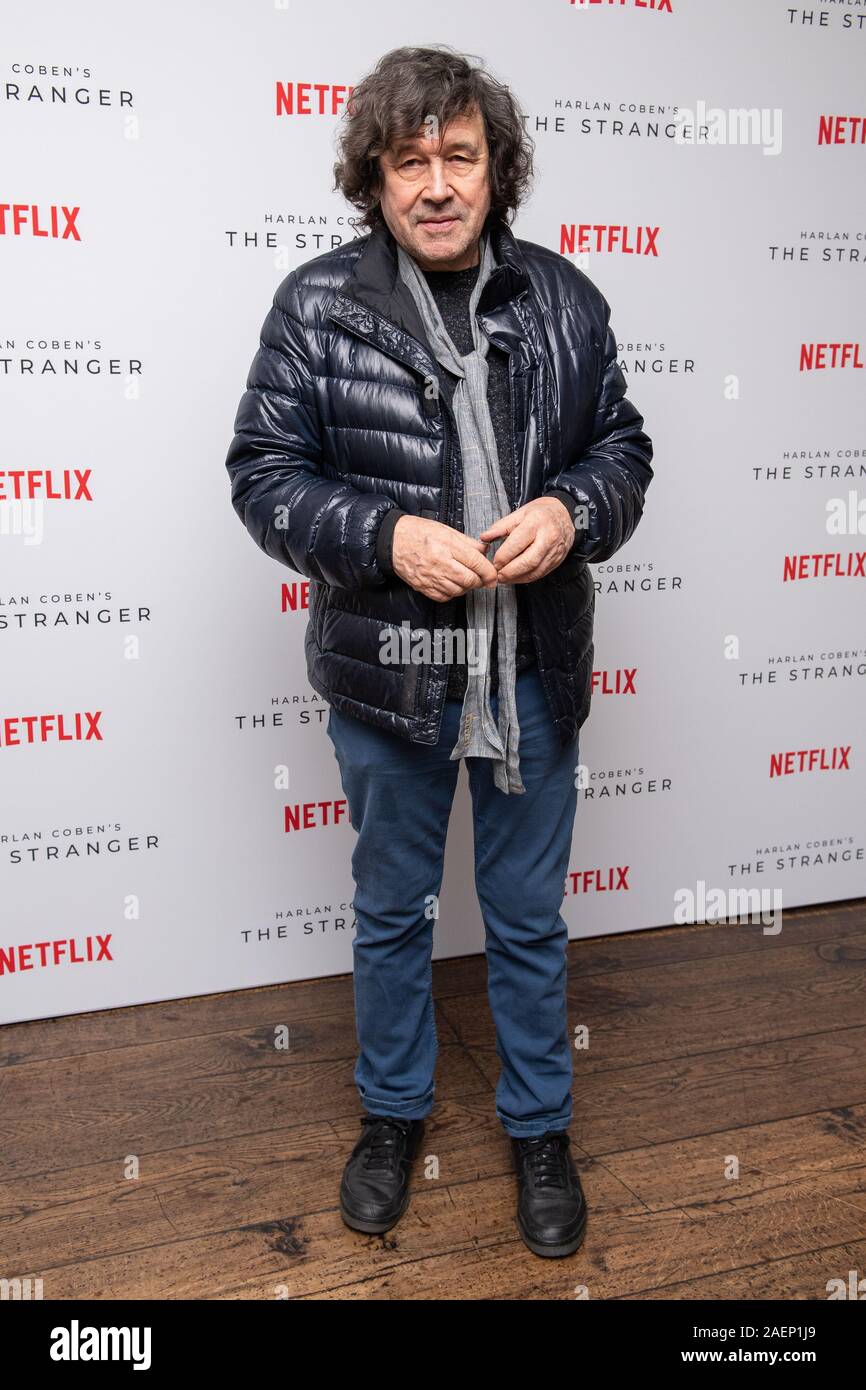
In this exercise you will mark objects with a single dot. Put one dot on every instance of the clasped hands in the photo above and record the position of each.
(443, 563)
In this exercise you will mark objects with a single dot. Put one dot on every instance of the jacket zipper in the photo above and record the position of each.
(446, 471)
(514, 463)
(543, 433)
(446, 497)
(516, 473)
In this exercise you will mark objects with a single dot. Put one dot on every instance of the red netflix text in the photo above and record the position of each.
(619, 682)
(65, 951)
(295, 597)
(823, 357)
(310, 98)
(314, 815)
(27, 220)
(830, 565)
(842, 130)
(811, 760)
(599, 236)
(17, 729)
(612, 880)
(69, 485)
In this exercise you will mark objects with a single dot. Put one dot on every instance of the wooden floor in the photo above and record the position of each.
(706, 1042)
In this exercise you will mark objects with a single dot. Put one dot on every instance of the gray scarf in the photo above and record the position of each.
(485, 501)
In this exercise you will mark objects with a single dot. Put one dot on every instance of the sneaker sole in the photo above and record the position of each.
(369, 1225)
(553, 1251)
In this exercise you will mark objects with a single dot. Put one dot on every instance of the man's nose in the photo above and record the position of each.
(437, 186)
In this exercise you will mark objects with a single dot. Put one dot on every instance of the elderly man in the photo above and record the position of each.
(436, 432)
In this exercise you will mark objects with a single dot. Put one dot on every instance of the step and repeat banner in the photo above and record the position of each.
(171, 816)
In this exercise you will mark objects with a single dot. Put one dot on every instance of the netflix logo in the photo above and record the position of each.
(619, 682)
(18, 729)
(612, 880)
(830, 565)
(310, 98)
(842, 130)
(295, 597)
(316, 815)
(27, 484)
(824, 357)
(28, 219)
(810, 760)
(662, 6)
(599, 236)
(62, 952)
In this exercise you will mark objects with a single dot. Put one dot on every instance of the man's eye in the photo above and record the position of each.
(413, 163)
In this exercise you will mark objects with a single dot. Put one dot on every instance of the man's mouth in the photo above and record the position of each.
(438, 221)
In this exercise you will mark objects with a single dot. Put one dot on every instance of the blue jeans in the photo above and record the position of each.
(399, 795)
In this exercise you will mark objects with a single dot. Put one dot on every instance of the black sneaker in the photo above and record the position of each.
(374, 1192)
(551, 1208)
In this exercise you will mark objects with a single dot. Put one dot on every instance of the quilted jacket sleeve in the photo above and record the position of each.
(611, 477)
(321, 527)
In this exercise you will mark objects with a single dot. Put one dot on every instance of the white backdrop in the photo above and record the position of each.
(153, 861)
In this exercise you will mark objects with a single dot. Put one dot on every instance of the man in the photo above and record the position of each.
(435, 432)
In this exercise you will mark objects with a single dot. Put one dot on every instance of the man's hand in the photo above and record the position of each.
(439, 561)
(538, 536)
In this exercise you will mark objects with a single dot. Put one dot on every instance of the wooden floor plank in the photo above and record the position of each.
(691, 1007)
(638, 1248)
(705, 1043)
(159, 1096)
(246, 1009)
(504, 1272)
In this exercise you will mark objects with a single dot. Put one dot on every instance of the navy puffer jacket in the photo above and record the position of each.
(336, 432)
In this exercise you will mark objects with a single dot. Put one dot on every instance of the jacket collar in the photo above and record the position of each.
(376, 284)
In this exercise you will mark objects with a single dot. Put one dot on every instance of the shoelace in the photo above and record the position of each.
(544, 1157)
(381, 1151)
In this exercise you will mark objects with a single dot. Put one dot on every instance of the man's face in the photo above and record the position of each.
(435, 193)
